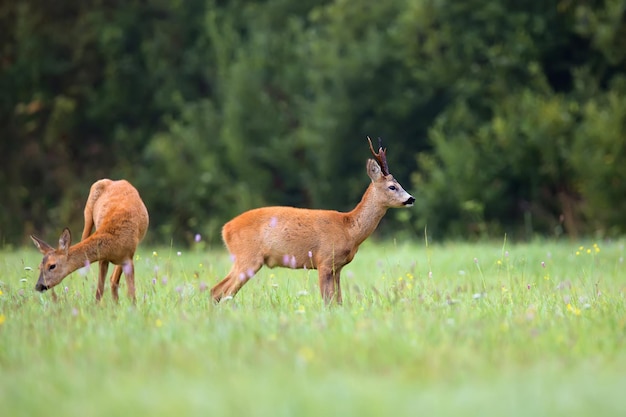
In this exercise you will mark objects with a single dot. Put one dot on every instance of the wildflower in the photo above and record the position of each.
(498, 262)
(301, 309)
(430, 274)
(575, 311)
(154, 253)
(179, 289)
(250, 273)
(1, 292)
(543, 264)
(158, 323)
(292, 262)
(476, 261)
(153, 281)
(178, 253)
(164, 280)
(74, 311)
(2, 319)
(202, 287)
(588, 250)
(302, 293)
(127, 268)
(65, 290)
(197, 238)
(310, 254)
(273, 221)
(285, 260)
(506, 254)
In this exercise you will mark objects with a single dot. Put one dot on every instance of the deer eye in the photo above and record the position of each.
(392, 187)
(51, 267)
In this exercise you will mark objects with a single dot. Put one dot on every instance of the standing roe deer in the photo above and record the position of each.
(121, 221)
(325, 240)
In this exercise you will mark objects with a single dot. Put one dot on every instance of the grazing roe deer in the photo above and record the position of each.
(121, 221)
(325, 240)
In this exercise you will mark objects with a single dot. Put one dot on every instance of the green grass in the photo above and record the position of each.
(457, 329)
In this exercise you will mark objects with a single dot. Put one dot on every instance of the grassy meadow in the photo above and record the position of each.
(442, 330)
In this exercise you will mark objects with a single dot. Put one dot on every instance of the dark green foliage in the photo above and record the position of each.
(499, 116)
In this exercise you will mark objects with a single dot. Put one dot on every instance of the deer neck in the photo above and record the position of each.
(364, 218)
(86, 251)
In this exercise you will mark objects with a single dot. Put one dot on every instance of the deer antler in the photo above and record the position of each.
(381, 156)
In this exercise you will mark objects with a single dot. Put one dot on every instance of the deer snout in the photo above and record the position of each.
(409, 202)
(40, 286)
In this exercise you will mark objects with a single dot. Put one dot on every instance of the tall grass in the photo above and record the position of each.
(534, 329)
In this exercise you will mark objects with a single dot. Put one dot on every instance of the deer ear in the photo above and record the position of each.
(373, 170)
(65, 240)
(41, 245)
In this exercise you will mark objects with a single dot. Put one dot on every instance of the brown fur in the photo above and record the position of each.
(121, 221)
(291, 237)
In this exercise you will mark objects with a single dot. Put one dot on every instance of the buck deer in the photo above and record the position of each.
(325, 240)
(121, 221)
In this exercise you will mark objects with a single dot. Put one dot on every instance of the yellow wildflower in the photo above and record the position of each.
(2, 319)
(158, 323)
(575, 311)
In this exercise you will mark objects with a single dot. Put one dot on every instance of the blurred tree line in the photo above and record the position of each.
(500, 116)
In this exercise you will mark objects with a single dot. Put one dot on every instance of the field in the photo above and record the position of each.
(458, 329)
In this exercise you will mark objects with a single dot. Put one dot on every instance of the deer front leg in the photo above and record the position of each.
(104, 268)
(330, 286)
(115, 282)
(129, 273)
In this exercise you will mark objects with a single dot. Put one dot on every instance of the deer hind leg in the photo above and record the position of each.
(239, 274)
(330, 285)
(115, 282)
(104, 268)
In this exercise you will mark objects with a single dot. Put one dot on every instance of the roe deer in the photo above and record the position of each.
(325, 240)
(121, 221)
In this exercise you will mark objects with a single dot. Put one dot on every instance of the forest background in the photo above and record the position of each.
(500, 117)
